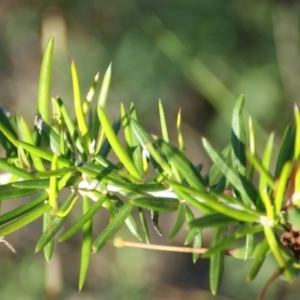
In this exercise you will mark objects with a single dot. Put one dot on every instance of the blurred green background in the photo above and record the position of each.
(197, 55)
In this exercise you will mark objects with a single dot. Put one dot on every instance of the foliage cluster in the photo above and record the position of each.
(66, 154)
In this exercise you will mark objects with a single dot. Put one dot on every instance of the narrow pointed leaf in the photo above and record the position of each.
(217, 261)
(90, 94)
(116, 145)
(163, 123)
(49, 247)
(244, 187)
(196, 245)
(85, 218)
(181, 146)
(143, 138)
(156, 204)
(179, 221)
(23, 209)
(8, 192)
(83, 129)
(144, 225)
(130, 222)
(10, 168)
(183, 165)
(208, 204)
(45, 82)
(281, 188)
(104, 87)
(113, 226)
(258, 260)
(214, 175)
(54, 225)
(86, 247)
(297, 134)
(44, 154)
(30, 217)
(238, 137)
(212, 220)
(286, 150)
(136, 147)
(70, 126)
(26, 136)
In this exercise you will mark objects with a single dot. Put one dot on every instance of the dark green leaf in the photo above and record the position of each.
(85, 218)
(156, 204)
(54, 225)
(179, 221)
(212, 220)
(113, 226)
(286, 150)
(238, 137)
(216, 266)
(23, 209)
(258, 259)
(182, 165)
(238, 181)
(45, 82)
(30, 217)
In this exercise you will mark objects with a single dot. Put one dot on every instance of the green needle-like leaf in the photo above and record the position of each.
(281, 188)
(7, 134)
(26, 136)
(116, 145)
(273, 243)
(144, 225)
(214, 175)
(83, 129)
(263, 180)
(216, 266)
(8, 192)
(90, 94)
(261, 169)
(45, 82)
(50, 136)
(258, 259)
(286, 150)
(117, 204)
(240, 183)
(163, 122)
(44, 154)
(84, 219)
(212, 220)
(10, 168)
(208, 204)
(113, 226)
(297, 135)
(23, 209)
(86, 247)
(238, 137)
(182, 165)
(54, 225)
(104, 88)
(181, 146)
(135, 145)
(70, 126)
(144, 138)
(196, 245)
(179, 221)
(53, 187)
(30, 217)
(156, 204)
(49, 247)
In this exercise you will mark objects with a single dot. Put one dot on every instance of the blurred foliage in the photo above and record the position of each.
(244, 46)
